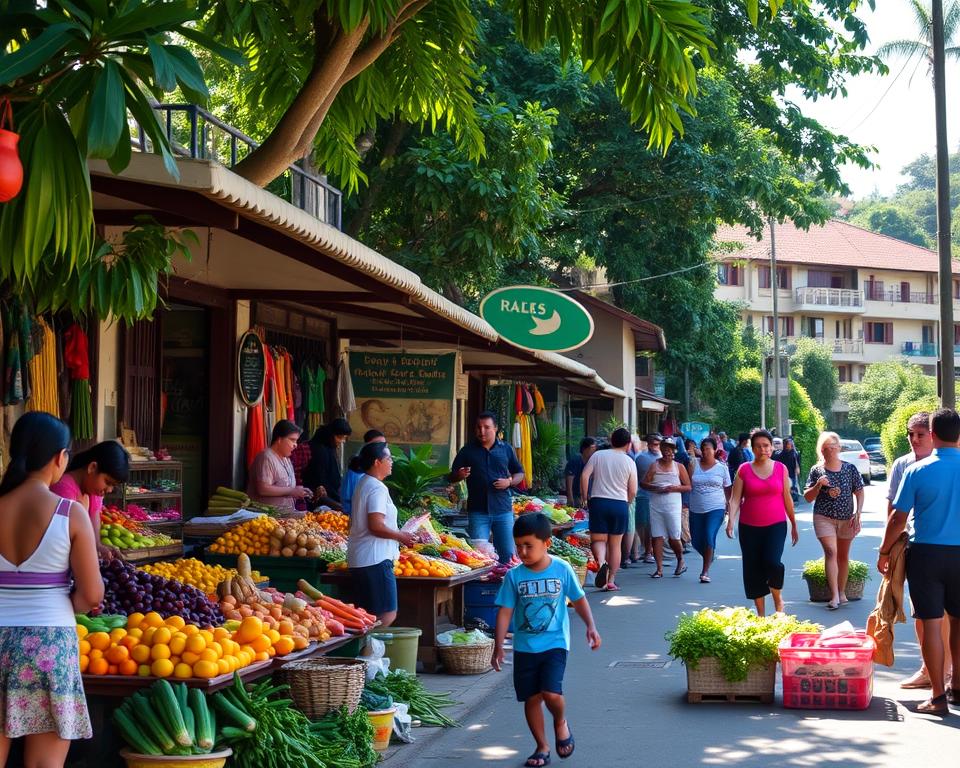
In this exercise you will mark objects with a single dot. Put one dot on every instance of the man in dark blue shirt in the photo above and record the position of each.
(490, 467)
(574, 469)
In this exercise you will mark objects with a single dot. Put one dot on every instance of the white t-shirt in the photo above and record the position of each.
(611, 474)
(363, 548)
(707, 486)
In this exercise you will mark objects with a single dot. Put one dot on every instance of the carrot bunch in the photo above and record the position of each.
(350, 616)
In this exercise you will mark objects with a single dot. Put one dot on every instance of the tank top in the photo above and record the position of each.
(666, 502)
(762, 502)
(37, 592)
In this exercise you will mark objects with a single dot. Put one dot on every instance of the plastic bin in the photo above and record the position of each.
(836, 673)
(382, 723)
(479, 601)
(402, 644)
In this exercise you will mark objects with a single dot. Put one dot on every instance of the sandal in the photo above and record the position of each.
(680, 570)
(953, 695)
(566, 744)
(934, 706)
(704, 579)
(538, 760)
(611, 587)
(601, 577)
(832, 606)
(657, 575)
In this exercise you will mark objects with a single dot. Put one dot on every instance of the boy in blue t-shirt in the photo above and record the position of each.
(537, 592)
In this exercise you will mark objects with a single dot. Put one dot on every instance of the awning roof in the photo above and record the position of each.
(389, 296)
(646, 394)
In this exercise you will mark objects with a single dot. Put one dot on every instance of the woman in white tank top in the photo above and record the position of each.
(48, 571)
(667, 481)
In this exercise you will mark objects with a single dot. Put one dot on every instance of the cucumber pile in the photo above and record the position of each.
(570, 553)
(167, 720)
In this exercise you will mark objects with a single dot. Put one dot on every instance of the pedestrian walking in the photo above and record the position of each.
(691, 454)
(537, 592)
(760, 507)
(644, 461)
(931, 490)
(48, 572)
(491, 468)
(614, 485)
(666, 480)
(832, 486)
(574, 469)
(709, 493)
(789, 456)
(727, 444)
(739, 454)
(921, 443)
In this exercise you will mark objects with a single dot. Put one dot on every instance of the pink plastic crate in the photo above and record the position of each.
(827, 674)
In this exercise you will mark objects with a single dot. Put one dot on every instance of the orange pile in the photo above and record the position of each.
(412, 564)
(251, 538)
(331, 521)
(152, 646)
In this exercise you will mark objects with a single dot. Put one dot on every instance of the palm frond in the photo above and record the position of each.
(951, 21)
(908, 49)
(922, 17)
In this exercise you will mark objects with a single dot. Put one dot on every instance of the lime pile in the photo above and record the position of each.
(122, 538)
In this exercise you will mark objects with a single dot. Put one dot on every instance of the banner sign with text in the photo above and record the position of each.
(406, 395)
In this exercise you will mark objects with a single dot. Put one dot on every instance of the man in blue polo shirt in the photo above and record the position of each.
(931, 489)
(490, 467)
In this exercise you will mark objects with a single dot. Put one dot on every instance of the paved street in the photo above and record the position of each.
(631, 716)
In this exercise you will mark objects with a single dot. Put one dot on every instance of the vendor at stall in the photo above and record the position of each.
(271, 475)
(490, 467)
(322, 472)
(372, 546)
(90, 476)
(354, 473)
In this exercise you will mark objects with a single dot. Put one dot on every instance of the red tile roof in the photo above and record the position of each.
(836, 243)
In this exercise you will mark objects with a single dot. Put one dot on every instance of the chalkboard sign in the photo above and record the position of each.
(251, 368)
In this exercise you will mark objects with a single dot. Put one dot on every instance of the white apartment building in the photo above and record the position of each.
(865, 296)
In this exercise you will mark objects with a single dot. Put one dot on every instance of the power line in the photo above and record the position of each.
(640, 279)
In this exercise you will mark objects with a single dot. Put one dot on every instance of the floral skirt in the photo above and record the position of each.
(41, 689)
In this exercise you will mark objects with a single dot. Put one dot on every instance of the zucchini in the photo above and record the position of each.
(165, 704)
(133, 735)
(234, 714)
(231, 493)
(142, 713)
(201, 715)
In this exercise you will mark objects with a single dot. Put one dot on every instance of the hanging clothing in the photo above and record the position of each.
(526, 451)
(43, 372)
(256, 442)
(539, 406)
(346, 401)
(288, 377)
(17, 353)
(77, 357)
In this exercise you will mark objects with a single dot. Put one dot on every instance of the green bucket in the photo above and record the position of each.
(401, 645)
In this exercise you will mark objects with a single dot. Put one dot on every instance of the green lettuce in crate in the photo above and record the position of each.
(736, 637)
(815, 571)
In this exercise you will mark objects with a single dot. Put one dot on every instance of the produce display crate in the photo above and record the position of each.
(836, 673)
(126, 685)
(283, 572)
(706, 682)
(820, 593)
(145, 554)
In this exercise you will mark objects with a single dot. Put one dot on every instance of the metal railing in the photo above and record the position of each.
(829, 297)
(194, 132)
(910, 297)
(919, 349)
(836, 346)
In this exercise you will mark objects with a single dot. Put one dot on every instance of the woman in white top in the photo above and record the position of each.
(710, 480)
(614, 486)
(667, 481)
(373, 544)
(47, 547)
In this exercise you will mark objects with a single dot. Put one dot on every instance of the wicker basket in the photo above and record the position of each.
(466, 659)
(319, 686)
(581, 571)
(706, 682)
(820, 593)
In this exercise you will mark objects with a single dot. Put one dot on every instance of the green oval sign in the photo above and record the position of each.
(538, 319)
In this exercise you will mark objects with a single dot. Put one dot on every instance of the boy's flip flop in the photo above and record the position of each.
(565, 744)
(538, 759)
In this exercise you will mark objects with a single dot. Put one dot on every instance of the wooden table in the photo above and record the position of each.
(428, 603)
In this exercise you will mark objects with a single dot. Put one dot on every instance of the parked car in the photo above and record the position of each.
(854, 452)
(878, 464)
(872, 444)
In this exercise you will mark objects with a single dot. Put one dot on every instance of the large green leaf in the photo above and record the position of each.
(34, 54)
(106, 112)
(164, 69)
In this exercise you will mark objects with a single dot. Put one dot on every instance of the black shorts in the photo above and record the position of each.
(609, 516)
(535, 673)
(375, 587)
(933, 573)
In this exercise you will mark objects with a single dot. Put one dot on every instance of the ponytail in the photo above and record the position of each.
(36, 440)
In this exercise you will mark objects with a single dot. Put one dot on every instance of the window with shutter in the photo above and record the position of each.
(783, 278)
(764, 276)
(140, 396)
(888, 333)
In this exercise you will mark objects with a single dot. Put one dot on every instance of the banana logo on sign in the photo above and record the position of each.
(546, 326)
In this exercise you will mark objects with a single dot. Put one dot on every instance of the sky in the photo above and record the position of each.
(892, 113)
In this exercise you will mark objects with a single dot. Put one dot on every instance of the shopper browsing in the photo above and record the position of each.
(537, 591)
(48, 572)
(931, 489)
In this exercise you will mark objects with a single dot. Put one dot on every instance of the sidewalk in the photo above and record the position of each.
(627, 701)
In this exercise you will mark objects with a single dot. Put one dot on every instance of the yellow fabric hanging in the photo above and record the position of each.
(526, 448)
(43, 374)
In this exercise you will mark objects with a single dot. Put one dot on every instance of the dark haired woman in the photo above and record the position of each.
(372, 546)
(90, 476)
(710, 481)
(45, 542)
(271, 475)
(762, 486)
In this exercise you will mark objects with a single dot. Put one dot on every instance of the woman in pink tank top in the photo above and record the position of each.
(761, 500)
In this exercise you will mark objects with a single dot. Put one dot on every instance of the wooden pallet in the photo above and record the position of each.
(731, 698)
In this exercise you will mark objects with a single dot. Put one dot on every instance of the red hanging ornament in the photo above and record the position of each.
(11, 169)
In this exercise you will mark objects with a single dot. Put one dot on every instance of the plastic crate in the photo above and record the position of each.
(836, 673)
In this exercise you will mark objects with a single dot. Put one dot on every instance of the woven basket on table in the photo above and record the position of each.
(472, 659)
(319, 686)
(581, 571)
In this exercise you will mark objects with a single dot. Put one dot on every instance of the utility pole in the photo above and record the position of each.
(686, 391)
(947, 390)
(763, 390)
(774, 290)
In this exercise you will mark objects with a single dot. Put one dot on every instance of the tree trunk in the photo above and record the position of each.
(398, 130)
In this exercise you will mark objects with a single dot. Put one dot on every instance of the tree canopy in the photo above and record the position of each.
(885, 387)
(813, 368)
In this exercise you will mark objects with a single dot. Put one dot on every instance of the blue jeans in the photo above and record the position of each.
(703, 529)
(480, 525)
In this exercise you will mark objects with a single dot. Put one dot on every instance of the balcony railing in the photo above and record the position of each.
(910, 297)
(194, 132)
(919, 349)
(836, 346)
(829, 297)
